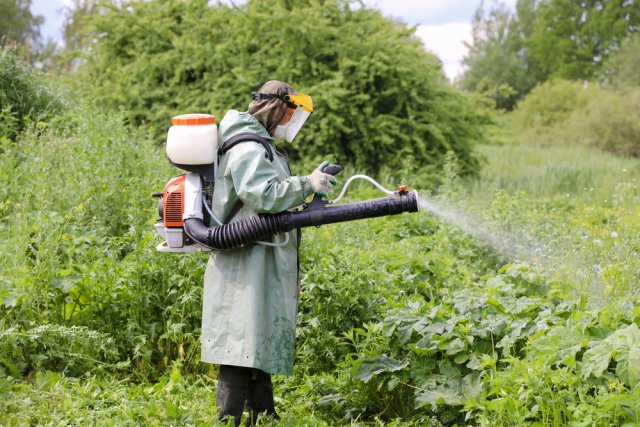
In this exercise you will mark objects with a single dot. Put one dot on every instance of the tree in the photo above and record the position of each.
(544, 39)
(496, 64)
(572, 38)
(622, 67)
(380, 96)
(18, 24)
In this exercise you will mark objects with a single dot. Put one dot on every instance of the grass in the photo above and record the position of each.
(359, 280)
(585, 174)
(522, 311)
(25, 96)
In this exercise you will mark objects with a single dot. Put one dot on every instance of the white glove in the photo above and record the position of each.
(322, 183)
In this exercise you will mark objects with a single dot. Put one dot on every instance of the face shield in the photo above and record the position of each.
(303, 107)
(298, 119)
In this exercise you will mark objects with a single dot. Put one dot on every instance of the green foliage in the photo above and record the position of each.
(551, 386)
(622, 67)
(571, 39)
(17, 23)
(445, 347)
(71, 350)
(78, 246)
(623, 347)
(610, 122)
(25, 96)
(493, 65)
(555, 171)
(53, 399)
(570, 112)
(550, 39)
(552, 103)
(407, 320)
(379, 96)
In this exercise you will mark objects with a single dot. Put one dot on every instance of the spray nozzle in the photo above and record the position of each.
(402, 190)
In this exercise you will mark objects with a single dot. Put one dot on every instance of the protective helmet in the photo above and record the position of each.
(302, 105)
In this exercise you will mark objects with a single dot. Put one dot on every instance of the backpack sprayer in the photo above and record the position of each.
(188, 224)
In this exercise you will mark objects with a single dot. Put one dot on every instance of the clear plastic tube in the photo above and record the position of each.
(354, 177)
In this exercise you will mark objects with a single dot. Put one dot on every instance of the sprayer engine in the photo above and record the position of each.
(171, 209)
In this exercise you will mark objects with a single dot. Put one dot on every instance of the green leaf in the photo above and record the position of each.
(626, 342)
(371, 367)
(454, 347)
(596, 360)
(622, 345)
(438, 396)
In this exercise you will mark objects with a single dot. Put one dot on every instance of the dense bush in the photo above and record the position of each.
(610, 122)
(564, 112)
(553, 102)
(379, 95)
(25, 96)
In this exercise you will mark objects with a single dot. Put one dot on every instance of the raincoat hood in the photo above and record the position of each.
(235, 122)
(270, 112)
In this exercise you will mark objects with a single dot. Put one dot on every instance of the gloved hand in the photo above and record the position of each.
(321, 182)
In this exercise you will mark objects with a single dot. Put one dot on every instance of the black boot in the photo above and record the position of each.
(260, 397)
(231, 394)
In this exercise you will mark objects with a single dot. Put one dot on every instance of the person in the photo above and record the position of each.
(251, 294)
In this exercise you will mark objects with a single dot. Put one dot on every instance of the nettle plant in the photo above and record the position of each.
(432, 354)
(497, 352)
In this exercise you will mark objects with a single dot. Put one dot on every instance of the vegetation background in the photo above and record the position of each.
(511, 300)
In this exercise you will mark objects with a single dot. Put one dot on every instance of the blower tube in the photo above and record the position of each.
(262, 226)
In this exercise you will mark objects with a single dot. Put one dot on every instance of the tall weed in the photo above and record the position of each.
(25, 96)
(78, 245)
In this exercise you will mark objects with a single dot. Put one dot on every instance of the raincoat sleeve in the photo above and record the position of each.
(257, 184)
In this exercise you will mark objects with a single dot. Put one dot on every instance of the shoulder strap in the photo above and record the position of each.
(246, 136)
(232, 142)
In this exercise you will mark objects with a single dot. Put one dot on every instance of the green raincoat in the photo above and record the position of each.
(250, 298)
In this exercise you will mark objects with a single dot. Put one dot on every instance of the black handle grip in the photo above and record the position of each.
(332, 169)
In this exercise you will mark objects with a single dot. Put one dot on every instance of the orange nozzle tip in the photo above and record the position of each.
(402, 188)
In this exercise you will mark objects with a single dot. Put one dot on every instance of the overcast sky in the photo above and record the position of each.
(443, 25)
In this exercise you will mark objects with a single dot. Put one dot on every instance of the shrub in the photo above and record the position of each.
(25, 96)
(552, 102)
(380, 97)
(610, 122)
(564, 112)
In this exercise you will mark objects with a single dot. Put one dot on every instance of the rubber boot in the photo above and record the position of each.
(231, 394)
(260, 397)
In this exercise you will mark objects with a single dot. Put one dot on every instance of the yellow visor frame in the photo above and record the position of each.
(301, 100)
